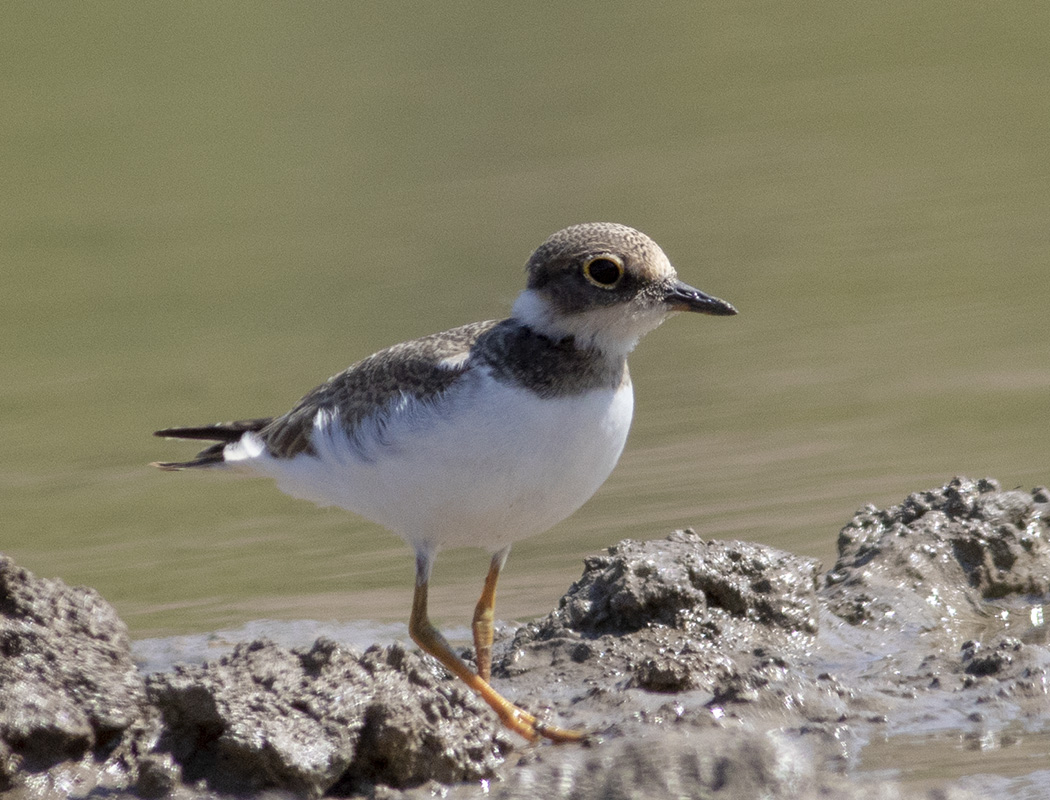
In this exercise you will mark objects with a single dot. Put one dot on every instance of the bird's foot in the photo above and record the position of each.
(529, 727)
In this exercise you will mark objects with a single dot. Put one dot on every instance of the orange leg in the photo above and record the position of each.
(431, 641)
(484, 617)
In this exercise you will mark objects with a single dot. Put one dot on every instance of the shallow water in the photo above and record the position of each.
(209, 211)
(1001, 764)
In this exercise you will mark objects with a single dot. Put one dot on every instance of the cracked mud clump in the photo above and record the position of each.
(68, 686)
(320, 719)
(941, 554)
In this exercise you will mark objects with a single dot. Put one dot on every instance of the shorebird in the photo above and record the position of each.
(484, 434)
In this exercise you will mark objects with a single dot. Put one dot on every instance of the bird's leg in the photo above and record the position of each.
(484, 617)
(431, 641)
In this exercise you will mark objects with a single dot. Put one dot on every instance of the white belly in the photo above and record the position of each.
(486, 465)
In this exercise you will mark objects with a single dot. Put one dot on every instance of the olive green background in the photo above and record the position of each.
(210, 207)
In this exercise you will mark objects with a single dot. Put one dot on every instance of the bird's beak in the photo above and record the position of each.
(683, 297)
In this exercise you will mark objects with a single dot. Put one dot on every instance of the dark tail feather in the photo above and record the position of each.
(219, 432)
(223, 433)
(205, 458)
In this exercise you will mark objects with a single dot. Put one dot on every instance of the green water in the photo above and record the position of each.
(210, 207)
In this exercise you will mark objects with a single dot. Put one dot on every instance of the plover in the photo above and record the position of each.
(481, 435)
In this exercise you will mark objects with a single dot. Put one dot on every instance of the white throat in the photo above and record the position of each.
(614, 330)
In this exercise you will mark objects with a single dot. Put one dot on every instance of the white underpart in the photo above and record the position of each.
(484, 465)
(244, 451)
(614, 330)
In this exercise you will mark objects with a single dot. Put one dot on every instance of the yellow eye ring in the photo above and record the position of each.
(604, 271)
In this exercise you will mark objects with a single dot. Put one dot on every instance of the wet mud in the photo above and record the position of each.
(700, 668)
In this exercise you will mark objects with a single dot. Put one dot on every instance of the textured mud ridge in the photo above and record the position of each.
(703, 669)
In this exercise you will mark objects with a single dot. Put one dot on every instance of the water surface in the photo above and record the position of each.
(211, 208)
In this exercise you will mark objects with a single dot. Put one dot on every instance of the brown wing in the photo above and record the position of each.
(412, 368)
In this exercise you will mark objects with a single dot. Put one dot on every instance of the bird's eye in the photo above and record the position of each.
(603, 271)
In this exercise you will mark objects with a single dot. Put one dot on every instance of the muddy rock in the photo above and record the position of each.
(322, 719)
(930, 591)
(936, 559)
(715, 619)
(68, 686)
(1007, 667)
(683, 582)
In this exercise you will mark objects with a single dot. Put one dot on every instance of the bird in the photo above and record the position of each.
(481, 435)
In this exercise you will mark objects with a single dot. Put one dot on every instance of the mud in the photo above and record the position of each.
(701, 668)
(68, 685)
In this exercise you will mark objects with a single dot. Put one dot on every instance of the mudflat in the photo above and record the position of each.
(700, 668)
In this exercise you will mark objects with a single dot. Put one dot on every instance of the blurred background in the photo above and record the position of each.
(209, 208)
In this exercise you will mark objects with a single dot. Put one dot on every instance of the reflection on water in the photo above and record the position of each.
(1008, 763)
(208, 214)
